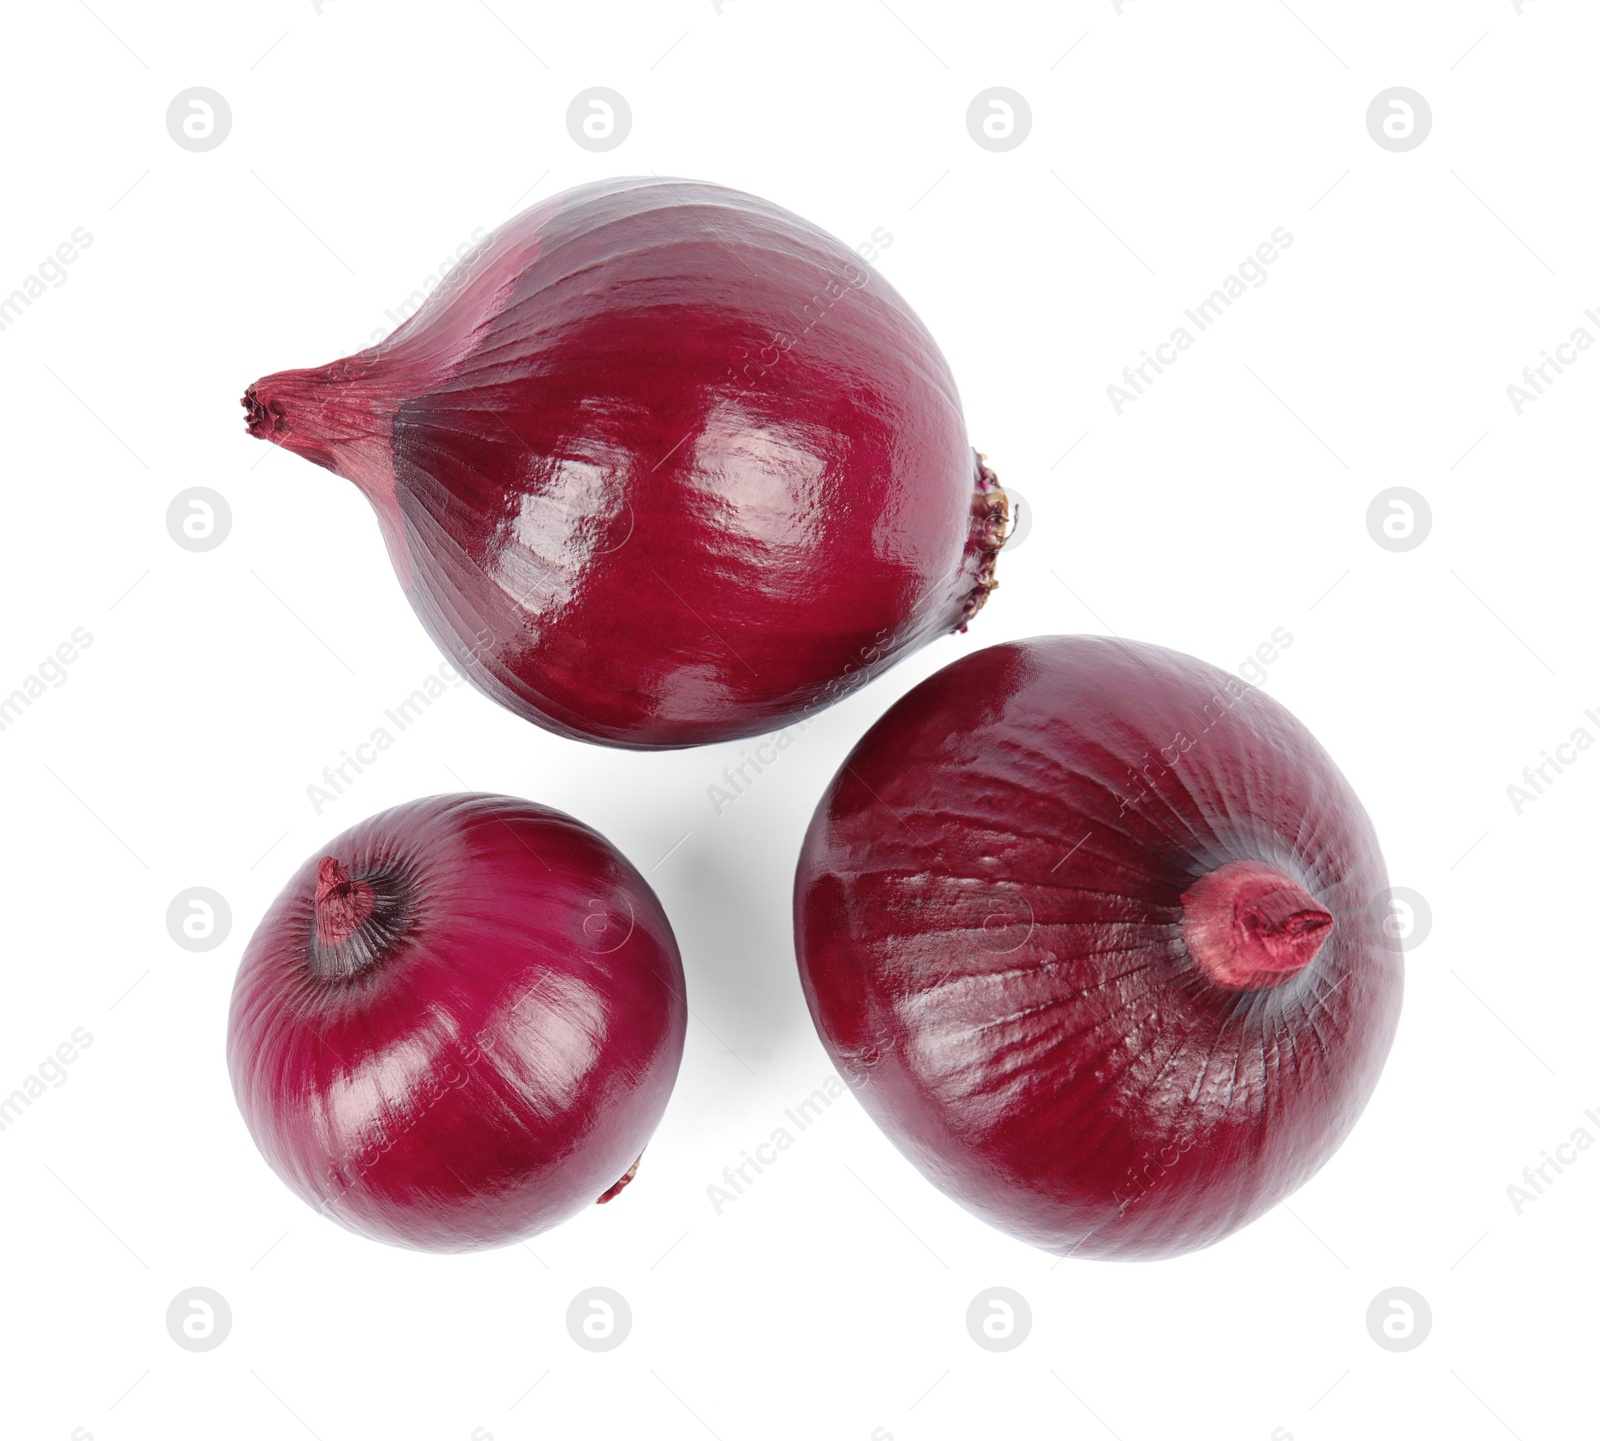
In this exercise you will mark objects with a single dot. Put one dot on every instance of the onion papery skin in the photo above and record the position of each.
(663, 464)
(473, 1046)
(990, 920)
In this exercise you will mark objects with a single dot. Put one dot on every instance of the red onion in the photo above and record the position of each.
(459, 1024)
(669, 463)
(1094, 929)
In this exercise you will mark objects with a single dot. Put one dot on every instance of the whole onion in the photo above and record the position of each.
(459, 1024)
(666, 463)
(1094, 929)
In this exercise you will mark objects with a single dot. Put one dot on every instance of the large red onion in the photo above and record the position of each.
(670, 464)
(1096, 931)
(459, 1024)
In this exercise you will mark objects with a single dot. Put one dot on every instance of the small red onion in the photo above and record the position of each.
(1093, 928)
(459, 1024)
(667, 463)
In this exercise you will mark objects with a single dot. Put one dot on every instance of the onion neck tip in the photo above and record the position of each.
(342, 904)
(338, 416)
(261, 419)
(1248, 926)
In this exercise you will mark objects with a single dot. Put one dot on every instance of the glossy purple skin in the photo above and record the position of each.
(665, 464)
(506, 1063)
(988, 921)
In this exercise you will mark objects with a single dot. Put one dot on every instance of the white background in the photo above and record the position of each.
(1227, 502)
